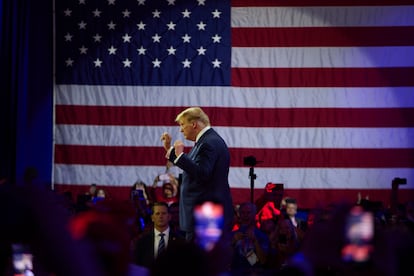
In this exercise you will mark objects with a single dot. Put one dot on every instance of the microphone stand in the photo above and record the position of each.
(252, 177)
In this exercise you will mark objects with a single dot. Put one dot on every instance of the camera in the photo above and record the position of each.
(399, 181)
(137, 194)
(250, 161)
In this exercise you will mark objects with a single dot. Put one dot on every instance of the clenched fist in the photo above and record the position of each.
(178, 147)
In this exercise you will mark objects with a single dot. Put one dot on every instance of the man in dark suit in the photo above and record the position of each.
(205, 167)
(147, 247)
(296, 224)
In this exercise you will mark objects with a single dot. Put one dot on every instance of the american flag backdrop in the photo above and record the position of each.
(320, 92)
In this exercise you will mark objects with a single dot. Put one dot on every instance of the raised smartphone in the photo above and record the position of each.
(359, 235)
(208, 218)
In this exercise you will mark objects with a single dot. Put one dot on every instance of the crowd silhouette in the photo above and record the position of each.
(272, 236)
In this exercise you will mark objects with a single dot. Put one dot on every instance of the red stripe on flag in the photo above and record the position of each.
(303, 158)
(109, 155)
(322, 77)
(322, 36)
(244, 117)
(117, 115)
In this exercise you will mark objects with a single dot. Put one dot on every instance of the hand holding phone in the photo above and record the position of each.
(164, 177)
(22, 260)
(208, 224)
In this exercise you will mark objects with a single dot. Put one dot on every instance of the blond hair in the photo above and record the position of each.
(193, 114)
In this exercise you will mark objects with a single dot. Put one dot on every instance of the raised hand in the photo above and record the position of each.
(166, 139)
(178, 147)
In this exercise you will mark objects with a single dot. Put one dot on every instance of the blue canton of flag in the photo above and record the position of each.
(143, 42)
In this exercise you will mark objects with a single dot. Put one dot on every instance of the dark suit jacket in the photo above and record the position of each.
(205, 177)
(144, 248)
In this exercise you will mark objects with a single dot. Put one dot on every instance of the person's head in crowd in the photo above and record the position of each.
(160, 216)
(139, 185)
(92, 190)
(101, 193)
(100, 196)
(140, 191)
(274, 192)
(291, 207)
(168, 190)
(247, 214)
(105, 229)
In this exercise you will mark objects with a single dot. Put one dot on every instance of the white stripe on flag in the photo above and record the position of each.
(342, 97)
(322, 16)
(322, 57)
(242, 137)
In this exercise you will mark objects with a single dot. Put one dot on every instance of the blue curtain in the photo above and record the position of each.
(26, 85)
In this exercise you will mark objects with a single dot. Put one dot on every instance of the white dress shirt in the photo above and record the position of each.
(158, 237)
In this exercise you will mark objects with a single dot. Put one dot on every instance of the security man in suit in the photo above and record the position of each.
(153, 243)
